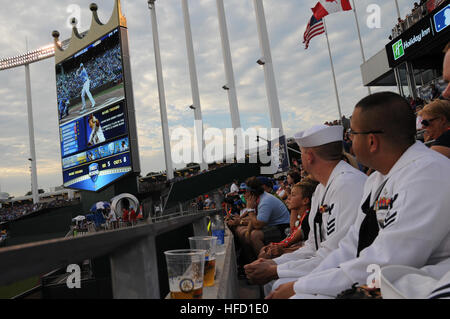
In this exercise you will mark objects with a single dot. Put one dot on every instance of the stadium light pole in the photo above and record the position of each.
(198, 127)
(34, 185)
(161, 92)
(266, 62)
(229, 73)
(26, 59)
(398, 9)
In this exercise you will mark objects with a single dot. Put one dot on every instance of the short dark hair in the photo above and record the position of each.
(390, 113)
(255, 185)
(295, 175)
(307, 187)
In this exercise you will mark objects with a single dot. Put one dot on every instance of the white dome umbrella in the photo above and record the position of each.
(79, 218)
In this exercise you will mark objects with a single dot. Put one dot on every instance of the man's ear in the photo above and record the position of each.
(310, 156)
(374, 143)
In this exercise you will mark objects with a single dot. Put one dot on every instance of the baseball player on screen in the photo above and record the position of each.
(63, 107)
(82, 73)
(96, 136)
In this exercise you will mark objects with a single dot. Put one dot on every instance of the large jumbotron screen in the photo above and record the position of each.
(93, 116)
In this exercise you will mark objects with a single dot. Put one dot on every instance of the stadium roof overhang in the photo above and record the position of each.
(421, 45)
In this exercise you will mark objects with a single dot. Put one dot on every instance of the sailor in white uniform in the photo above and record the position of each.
(333, 209)
(404, 282)
(403, 217)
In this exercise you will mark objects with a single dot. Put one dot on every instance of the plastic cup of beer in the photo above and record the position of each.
(207, 243)
(185, 268)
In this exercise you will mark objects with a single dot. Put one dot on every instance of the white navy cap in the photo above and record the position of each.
(319, 135)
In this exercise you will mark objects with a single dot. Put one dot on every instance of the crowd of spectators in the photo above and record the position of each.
(11, 212)
(428, 93)
(264, 231)
(102, 70)
(14, 212)
(403, 178)
(268, 215)
(331, 123)
(204, 202)
(107, 218)
(418, 11)
(188, 172)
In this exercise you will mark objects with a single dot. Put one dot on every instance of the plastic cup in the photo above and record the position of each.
(207, 243)
(185, 268)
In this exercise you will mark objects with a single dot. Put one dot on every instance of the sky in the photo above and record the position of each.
(303, 77)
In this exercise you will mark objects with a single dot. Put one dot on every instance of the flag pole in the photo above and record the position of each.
(398, 9)
(332, 70)
(360, 40)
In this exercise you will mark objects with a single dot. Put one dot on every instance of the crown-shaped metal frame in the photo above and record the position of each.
(96, 30)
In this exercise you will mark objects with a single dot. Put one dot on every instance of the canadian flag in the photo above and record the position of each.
(326, 7)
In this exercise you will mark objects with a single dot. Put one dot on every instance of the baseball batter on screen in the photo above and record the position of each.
(82, 73)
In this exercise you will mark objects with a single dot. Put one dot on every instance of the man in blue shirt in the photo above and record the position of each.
(268, 217)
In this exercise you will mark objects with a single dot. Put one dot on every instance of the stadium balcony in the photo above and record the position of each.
(416, 15)
(412, 61)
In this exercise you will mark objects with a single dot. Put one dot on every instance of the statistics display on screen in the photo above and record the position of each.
(92, 109)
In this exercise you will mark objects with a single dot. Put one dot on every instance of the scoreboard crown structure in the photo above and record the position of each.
(97, 124)
(96, 30)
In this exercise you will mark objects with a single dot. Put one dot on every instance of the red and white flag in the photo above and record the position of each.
(326, 7)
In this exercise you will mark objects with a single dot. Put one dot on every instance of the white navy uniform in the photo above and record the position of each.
(343, 192)
(414, 230)
(339, 200)
(404, 282)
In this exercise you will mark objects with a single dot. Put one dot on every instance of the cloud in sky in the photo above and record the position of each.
(304, 83)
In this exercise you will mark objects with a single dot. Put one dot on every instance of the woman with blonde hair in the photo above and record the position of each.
(436, 122)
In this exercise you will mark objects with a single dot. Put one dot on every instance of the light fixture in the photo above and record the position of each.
(192, 107)
(226, 88)
(261, 61)
(45, 52)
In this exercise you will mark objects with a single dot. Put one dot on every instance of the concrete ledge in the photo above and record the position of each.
(23, 261)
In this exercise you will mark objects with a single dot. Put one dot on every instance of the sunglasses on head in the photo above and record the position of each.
(427, 123)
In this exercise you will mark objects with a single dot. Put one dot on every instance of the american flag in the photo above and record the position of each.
(315, 27)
